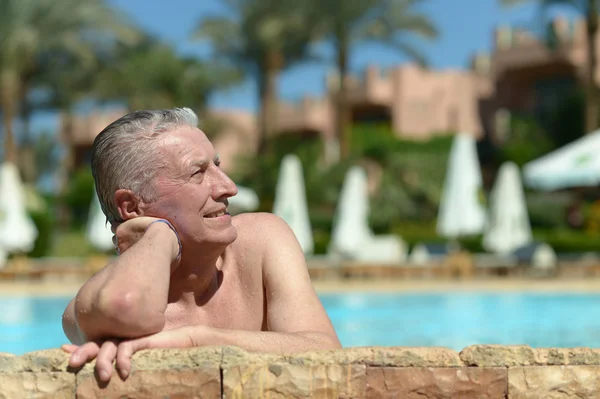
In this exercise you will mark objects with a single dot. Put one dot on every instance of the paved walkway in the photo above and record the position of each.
(62, 288)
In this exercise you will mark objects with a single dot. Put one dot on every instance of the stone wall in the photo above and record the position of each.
(375, 372)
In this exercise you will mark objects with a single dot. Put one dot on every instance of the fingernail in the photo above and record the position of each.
(104, 375)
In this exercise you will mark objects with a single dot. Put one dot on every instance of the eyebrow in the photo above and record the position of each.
(199, 163)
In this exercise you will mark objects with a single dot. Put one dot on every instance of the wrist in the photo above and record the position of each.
(168, 230)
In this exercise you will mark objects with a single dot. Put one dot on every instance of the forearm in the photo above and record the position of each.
(265, 341)
(128, 298)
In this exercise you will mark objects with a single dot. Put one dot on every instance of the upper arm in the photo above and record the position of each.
(70, 327)
(292, 303)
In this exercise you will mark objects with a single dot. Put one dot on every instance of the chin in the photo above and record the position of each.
(227, 236)
(232, 234)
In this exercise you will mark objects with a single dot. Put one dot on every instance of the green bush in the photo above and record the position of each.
(44, 222)
(547, 210)
(567, 240)
(72, 243)
(79, 194)
(321, 239)
(527, 141)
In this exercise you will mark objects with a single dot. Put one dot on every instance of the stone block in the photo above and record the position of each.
(45, 361)
(150, 384)
(284, 380)
(37, 385)
(515, 356)
(368, 356)
(554, 382)
(498, 356)
(159, 373)
(438, 383)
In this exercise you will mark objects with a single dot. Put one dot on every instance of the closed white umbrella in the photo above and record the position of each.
(98, 230)
(350, 227)
(351, 236)
(17, 231)
(508, 226)
(290, 201)
(575, 164)
(461, 209)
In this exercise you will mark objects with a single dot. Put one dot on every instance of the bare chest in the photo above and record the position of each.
(237, 304)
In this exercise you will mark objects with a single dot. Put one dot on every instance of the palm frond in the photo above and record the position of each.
(411, 51)
(581, 6)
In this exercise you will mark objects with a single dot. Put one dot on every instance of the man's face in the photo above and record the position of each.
(192, 190)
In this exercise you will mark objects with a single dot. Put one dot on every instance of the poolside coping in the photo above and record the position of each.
(478, 371)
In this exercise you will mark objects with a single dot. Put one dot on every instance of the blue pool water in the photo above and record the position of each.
(451, 320)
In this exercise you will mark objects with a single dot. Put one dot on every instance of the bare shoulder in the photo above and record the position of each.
(258, 235)
(259, 227)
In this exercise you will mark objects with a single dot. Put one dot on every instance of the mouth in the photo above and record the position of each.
(216, 214)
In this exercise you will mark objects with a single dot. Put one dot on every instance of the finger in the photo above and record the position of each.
(69, 348)
(124, 354)
(84, 353)
(104, 361)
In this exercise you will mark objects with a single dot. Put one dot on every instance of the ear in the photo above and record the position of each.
(128, 204)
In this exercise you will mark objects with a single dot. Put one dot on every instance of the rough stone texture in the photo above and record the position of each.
(579, 356)
(159, 384)
(438, 383)
(285, 380)
(497, 356)
(369, 356)
(480, 371)
(174, 359)
(37, 385)
(234, 356)
(554, 382)
(514, 356)
(46, 361)
(160, 373)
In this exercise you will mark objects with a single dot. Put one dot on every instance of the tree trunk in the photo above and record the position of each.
(8, 90)
(27, 151)
(268, 98)
(591, 89)
(343, 129)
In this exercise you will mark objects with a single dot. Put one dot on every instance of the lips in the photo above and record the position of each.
(216, 214)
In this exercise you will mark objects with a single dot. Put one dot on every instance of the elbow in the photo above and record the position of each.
(127, 315)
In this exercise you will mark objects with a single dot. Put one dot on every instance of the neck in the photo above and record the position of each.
(197, 274)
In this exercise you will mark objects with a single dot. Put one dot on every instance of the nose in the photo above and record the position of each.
(224, 187)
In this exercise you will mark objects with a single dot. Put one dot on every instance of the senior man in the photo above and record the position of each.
(188, 273)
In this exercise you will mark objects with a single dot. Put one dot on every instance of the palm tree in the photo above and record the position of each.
(35, 32)
(151, 75)
(347, 22)
(589, 10)
(263, 37)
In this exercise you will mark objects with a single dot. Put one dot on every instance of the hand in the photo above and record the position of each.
(111, 350)
(126, 234)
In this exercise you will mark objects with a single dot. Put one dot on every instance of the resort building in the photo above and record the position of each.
(522, 76)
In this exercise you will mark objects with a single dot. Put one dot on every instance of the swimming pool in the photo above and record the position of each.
(363, 319)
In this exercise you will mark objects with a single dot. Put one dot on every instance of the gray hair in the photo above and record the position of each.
(124, 154)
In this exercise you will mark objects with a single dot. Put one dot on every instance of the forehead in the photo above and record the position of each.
(188, 144)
